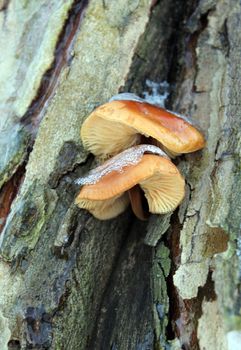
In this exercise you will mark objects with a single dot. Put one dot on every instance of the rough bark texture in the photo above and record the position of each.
(69, 281)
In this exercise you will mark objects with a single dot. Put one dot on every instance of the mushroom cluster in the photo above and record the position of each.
(131, 136)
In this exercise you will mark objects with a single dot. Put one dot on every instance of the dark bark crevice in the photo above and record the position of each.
(8, 193)
(5, 5)
(32, 118)
(127, 296)
(62, 57)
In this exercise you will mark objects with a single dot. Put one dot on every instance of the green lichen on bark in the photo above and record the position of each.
(157, 226)
(31, 212)
(214, 205)
(15, 141)
(86, 84)
(160, 270)
(65, 256)
(229, 293)
(28, 53)
(5, 333)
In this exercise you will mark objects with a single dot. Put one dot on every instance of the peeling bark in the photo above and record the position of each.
(69, 281)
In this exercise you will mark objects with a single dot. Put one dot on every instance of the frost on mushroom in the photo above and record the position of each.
(104, 192)
(126, 96)
(123, 123)
(130, 156)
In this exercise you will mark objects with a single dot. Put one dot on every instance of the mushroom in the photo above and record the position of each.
(104, 191)
(119, 124)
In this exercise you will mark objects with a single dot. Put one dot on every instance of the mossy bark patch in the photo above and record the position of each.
(28, 53)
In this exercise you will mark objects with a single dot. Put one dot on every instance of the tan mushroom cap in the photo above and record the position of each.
(104, 209)
(117, 125)
(158, 177)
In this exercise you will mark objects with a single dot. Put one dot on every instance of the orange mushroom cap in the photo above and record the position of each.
(117, 125)
(158, 177)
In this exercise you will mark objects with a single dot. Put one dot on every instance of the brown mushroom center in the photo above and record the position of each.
(139, 203)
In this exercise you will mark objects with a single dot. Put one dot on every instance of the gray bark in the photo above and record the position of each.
(69, 281)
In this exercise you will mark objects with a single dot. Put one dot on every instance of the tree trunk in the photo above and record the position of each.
(69, 281)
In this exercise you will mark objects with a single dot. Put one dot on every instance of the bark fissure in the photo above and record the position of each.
(5, 5)
(62, 58)
(176, 301)
(108, 289)
(184, 313)
(8, 193)
(32, 118)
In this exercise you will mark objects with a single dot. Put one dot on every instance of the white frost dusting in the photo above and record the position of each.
(126, 96)
(159, 93)
(158, 96)
(130, 156)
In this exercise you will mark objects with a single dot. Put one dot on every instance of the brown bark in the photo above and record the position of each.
(70, 281)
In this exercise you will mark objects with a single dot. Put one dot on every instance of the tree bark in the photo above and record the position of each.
(69, 281)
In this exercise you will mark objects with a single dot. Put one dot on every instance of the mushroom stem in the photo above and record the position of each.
(135, 196)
